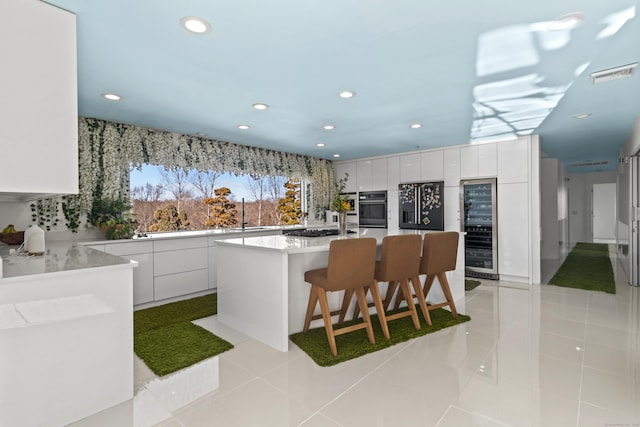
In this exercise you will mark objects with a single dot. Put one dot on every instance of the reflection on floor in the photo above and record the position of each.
(548, 356)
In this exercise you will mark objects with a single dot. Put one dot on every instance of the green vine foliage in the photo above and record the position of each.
(44, 212)
(71, 212)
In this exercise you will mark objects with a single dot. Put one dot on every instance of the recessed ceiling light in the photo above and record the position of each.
(243, 127)
(195, 25)
(346, 94)
(582, 116)
(319, 144)
(416, 126)
(566, 22)
(260, 106)
(111, 96)
(336, 155)
(329, 127)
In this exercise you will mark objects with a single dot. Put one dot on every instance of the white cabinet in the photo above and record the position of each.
(487, 160)
(452, 208)
(372, 175)
(393, 209)
(513, 161)
(513, 230)
(365, 168)
(479, 161)
(451, 163)
(393, 172)
(348, 168)
(38, 105)
(432, 166)
(142, 252)
(410, 168)
(180, 267)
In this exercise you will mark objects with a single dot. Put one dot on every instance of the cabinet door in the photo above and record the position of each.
(393, 172)
(452, 208)
(410, 168)
(39, 98)
(432, 166)
(487, 160)
(379, 174)
(365, 169)
(452, 167)
(350, 168)
(469, 162)
(142, 278)
(513, 165)
(393, 209)
(513, 230)
(173, 285)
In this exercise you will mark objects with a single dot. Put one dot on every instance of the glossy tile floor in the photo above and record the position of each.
(545, 356)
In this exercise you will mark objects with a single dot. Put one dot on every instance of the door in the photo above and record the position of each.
(604, 213)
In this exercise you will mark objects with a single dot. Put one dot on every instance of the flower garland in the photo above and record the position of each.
(107, 149)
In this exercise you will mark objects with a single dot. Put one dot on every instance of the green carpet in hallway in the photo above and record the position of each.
(587, 267)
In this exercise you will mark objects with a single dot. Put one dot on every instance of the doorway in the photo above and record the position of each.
(603, 213)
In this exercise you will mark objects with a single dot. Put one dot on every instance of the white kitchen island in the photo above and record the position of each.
(261, 287)
(66, 335)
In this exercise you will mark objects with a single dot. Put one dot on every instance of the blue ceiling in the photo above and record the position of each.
(467, 71)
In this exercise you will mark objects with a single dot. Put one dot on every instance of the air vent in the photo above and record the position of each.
(613, 73)
(586, 164)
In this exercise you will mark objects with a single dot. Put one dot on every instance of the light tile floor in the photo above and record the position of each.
(548, 356)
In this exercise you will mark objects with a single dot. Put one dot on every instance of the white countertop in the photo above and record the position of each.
(294, 244)
(59, 257)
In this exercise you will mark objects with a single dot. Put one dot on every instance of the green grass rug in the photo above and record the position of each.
(587, 267)
(167, 341)
(470, 284)
(356, 344)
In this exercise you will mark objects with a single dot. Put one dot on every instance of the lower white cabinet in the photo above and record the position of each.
(142, 252)
(178, 284)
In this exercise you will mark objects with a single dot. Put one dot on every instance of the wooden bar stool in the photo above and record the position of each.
(439, 255)
(400, 261)
(351, 267)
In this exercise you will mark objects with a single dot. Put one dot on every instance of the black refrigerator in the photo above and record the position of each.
(480, 225)
(422, 205)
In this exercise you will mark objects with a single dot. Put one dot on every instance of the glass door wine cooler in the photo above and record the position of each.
(479, 223)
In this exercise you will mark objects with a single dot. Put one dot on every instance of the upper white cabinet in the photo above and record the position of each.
(379, 174)
(393, 172)
(513, 161)
(410, 168)
(38, 105)
(451, 163)
(348, 168)
(432, 166)
(479, 161)
(365, 168)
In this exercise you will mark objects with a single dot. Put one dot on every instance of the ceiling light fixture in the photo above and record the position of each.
(582, 116)
(566, 22)
(260, 106)
(195, 25)
(346, 94)
(243, 127)
(416, 126)
(336, 155)
(111, 96)
(319, 144)
(329, 127)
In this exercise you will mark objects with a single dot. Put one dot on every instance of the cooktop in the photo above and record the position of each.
(315, 232)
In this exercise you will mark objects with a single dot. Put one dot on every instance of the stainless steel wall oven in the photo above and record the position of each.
(372, 209)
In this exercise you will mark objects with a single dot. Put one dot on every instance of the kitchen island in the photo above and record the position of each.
(66, 334)
(261, 287)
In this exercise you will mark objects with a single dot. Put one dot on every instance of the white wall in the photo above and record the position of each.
(553, 209)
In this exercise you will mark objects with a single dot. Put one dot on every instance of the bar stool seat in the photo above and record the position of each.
(350, 268)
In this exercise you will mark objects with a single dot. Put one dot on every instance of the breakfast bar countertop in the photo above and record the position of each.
(297, 244)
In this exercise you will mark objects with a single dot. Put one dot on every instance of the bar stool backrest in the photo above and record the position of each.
(400, 257)
(352, 263)
(439, 252)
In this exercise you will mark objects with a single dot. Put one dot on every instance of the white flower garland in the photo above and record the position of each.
(106, 149)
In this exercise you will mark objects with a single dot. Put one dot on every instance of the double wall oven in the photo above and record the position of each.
(372, 209)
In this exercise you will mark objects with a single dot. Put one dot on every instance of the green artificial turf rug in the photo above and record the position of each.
(587, 267)
(470, 284)
(356, 344)
(167, 341)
